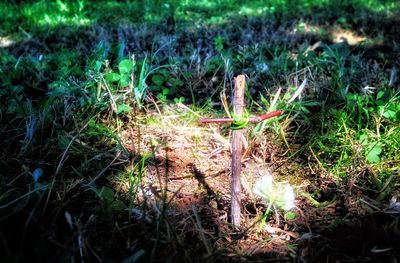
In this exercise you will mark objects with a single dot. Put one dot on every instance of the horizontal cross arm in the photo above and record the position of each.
(255, 119)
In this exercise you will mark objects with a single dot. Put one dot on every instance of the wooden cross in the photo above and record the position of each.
(237, 146)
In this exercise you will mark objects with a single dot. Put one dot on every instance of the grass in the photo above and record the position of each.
(104, 98)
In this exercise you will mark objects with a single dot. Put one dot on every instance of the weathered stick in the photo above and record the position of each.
(238, 104)
(253, 120)
(237, 148)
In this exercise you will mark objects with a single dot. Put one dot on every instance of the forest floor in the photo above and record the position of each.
(103, 158)
(191, 166)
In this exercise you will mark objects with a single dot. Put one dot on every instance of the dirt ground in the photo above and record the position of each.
(191, 163)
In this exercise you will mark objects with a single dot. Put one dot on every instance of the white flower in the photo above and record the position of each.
(263, 187)
(287, 201)
(279, 194)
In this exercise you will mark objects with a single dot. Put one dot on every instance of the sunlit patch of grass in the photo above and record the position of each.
(347, 36)
(353, 138)
(381, 6)
(56, 13)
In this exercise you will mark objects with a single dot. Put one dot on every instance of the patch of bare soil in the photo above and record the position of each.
(191, 164)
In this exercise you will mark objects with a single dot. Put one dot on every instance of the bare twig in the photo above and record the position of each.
(253, 120)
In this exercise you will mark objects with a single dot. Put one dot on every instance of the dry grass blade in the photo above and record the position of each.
(201, 231)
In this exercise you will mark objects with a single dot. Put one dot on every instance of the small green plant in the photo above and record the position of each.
(165, 84)
(141, 87)
(388, 105)
(123, 77)
(108, 200)
(373, 149)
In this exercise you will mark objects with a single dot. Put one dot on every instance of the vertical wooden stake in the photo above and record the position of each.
(238, 104)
